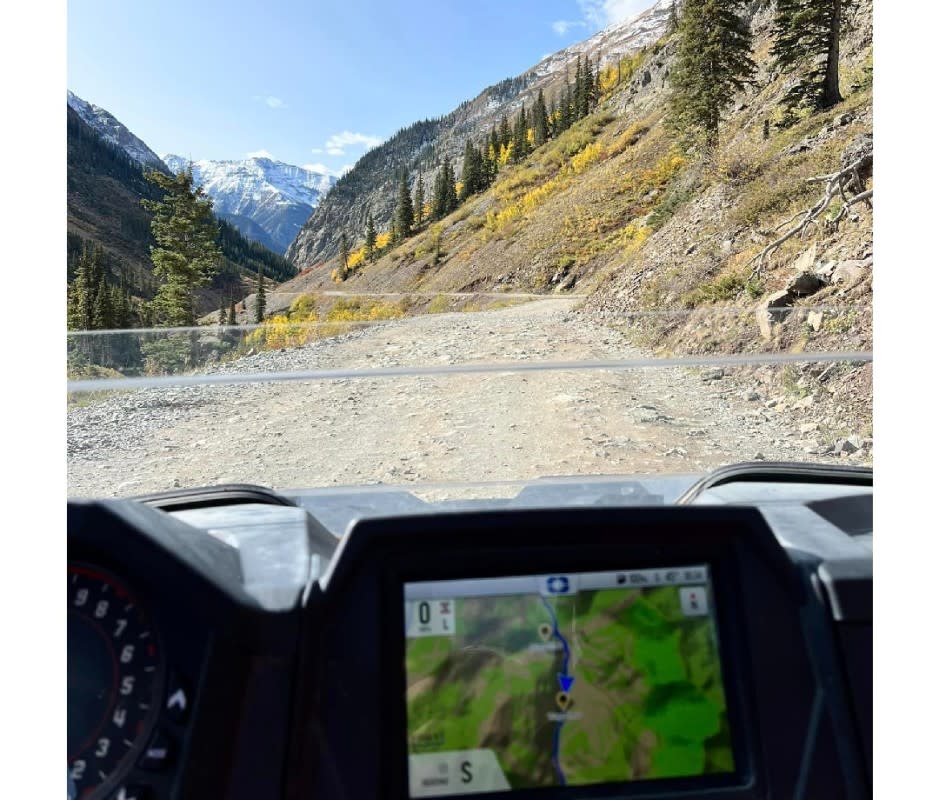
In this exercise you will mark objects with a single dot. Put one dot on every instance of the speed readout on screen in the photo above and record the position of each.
(568, 679)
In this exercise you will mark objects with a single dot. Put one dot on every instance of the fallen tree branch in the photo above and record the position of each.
(838, 184)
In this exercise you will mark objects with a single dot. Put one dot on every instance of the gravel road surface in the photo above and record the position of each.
(438, 428)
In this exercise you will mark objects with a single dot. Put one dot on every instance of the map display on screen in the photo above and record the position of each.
(567, 679)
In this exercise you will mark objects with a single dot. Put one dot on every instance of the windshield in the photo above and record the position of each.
(586, 255)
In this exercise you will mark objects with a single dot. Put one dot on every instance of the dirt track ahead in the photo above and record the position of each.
(428, 428)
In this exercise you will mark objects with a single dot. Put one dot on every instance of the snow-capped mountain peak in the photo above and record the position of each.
(113, 131)
(615, 41)
(260, 192)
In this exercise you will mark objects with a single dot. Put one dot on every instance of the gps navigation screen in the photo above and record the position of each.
(567, 679)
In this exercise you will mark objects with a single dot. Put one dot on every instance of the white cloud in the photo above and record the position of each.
(602, 13)
(562, 26)
(270, 101)
(316, 151)
(337, 143)
(259, 154)
(328, 170)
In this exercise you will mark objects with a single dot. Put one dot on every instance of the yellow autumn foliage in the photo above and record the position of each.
(505, 153)
(303, 307)
(586, 157)
(496, 220)
(609, 77)
(384, 239)
(356, 257)
(280, 331)
(537, 196)
(357, 310)
(633, 236)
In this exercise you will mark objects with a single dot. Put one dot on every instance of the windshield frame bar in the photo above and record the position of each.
(222, 379)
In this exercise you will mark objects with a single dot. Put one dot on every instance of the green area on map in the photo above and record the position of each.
(647, 699)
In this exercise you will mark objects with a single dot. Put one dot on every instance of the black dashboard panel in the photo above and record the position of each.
(221, 730)
(284, 656)
(776, 635)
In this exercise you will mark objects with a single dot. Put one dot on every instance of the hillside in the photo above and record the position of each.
(611, 208)
(370, 185)
(267, 200)
(105, 187)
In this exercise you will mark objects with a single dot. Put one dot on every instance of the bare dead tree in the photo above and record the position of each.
(847, 184)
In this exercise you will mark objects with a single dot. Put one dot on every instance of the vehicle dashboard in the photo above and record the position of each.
(717, 646)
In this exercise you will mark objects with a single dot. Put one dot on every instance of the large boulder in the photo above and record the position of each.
(773, 309)
(806, 279)
(850, 272)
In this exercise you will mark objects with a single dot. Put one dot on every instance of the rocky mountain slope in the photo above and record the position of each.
(113, 131)
(370, 185)
(267, 200)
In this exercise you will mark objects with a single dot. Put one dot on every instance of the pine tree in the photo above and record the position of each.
(472, 171)
(492, 163)
(712, 63)
(344, 253)
(419, 201)
(81, 292)
(444, 199)
(186, 254)
(103, 314)
(100, 307)
(370, 237)
(578, 90)
(450, 186)
(123, 315)
(540, 120)
(505, 135)
(260, 305)
(404, 211)
(587, 91)
(567, 101)
(808, 42)
(232, 320)
(221, 311)
(520, 137)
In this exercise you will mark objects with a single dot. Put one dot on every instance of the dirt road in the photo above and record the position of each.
(429, 428)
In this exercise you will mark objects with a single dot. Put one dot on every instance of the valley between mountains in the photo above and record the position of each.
(443, 428)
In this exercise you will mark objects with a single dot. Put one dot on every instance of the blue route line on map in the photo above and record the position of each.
(565, 681)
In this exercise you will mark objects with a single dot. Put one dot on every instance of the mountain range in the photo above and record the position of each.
(267, 200)
(370, 186)
(106, 183)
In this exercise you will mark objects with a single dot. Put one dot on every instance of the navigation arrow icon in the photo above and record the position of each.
(566, 681)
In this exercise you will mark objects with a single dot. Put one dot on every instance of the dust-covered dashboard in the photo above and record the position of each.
(226, 644)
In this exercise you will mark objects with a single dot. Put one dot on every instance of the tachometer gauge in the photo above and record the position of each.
(115, 676)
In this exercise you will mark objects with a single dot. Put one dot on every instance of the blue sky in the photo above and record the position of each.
(306, 81)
